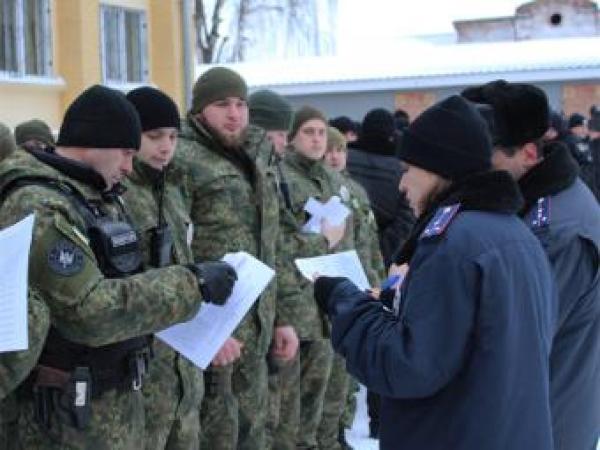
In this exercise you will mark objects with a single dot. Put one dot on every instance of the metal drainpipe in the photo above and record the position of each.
(188, 55)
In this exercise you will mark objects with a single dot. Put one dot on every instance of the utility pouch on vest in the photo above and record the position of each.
(116, 246)
(161, 245)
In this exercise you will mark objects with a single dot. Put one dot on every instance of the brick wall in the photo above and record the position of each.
(579, 97)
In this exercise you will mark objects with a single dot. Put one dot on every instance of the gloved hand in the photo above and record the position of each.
(215, 280)
(323, 288)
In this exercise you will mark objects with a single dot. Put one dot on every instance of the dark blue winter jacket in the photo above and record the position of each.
(565, 216)
(462, 363)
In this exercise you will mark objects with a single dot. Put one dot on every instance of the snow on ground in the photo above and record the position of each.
(358, 436)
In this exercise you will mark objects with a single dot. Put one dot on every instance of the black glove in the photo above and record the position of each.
(323, 288)
(215, 280)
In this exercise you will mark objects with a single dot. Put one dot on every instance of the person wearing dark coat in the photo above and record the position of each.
(373, 163)
(594, 135)
(461, 357)
(564, 215)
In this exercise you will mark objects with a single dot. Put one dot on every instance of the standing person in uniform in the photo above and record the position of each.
(367, 246)
(305, 381)
(461, 358)
(564, 215)
(85, 263)
(234, 207)
(16, 366)
(274, 114)
(174, 387)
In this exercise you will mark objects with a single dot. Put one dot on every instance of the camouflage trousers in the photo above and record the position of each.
(334, 404)
(172, 395)
(116, 423)
(235, 405)
(302, 393)
(8, 423)
(350, 410)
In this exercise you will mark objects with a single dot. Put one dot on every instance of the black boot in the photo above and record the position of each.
(342, 439)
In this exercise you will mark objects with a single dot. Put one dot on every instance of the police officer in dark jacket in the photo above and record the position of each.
(461, 357)
(372, 162)
(564, 215)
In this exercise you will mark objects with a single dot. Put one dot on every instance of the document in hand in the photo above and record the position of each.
(344, 264)
(15, 242)
(200, 339)
(334, 211)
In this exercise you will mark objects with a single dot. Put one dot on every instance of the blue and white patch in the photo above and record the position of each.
(440, 221)
(540, 214)
(65, 258)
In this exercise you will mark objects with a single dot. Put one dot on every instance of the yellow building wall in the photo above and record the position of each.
(77, 59)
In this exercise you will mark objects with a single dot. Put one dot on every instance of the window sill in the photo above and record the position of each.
(126, 87)
(51, 83)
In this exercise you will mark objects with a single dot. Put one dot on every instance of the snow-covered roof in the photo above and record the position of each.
(418, 64)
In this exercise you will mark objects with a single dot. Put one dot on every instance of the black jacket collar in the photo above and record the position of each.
(556, 172)
(494, 191)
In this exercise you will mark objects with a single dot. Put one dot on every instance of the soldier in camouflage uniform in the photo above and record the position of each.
(274, 114)
(16, 366)
(305, 383)
(174, 386)
(231, 183)
(85, 261)
(331, 433)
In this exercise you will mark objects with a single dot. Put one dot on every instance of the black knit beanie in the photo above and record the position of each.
(270, 111)
(100, 118)
(303, 115)
(215, 84)
(450, 139)
(34, 129)
(378, 133)
(155, 108)
(521, 111)
(344, 124)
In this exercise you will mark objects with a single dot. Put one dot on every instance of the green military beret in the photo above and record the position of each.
(270, 111)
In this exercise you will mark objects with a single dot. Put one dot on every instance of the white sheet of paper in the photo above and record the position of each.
(200, 339)
(15, 242)
(333, 210)
(344, 264)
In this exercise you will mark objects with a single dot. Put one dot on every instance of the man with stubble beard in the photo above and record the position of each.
(230, 187)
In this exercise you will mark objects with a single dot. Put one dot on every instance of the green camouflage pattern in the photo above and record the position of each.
(86, 307)
(334, 404)
(174, 387)
(351, 403)
(230, 213)
(16, 366)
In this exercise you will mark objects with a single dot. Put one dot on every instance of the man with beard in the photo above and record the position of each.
(230, 183)
(562, 212)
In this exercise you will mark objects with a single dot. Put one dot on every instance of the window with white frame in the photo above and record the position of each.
(124, 45)
(25, 38)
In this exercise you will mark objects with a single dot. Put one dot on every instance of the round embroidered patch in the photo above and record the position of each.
(65, 258)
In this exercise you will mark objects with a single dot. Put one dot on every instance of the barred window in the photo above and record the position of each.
(25, 38)
(124, 45)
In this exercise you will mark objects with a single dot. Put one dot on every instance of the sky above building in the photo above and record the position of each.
(363, 24)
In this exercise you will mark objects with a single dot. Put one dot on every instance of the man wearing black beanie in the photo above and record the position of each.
(86, 263)
(459, 353)
(562, 212)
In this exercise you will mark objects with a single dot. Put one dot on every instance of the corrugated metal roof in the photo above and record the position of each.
(419, 64)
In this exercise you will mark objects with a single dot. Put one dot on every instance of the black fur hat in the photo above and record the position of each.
(521, 111)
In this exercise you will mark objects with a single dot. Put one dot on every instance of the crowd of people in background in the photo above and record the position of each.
(492, 340)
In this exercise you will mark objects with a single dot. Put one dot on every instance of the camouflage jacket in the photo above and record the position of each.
(305, 178)
(146, 190)
(86, 307)
(234, 207)
(365, 231)
(15, 366)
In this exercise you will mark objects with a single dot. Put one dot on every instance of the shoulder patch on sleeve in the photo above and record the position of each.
(65, 258)
(539, 216)
(440, 221)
